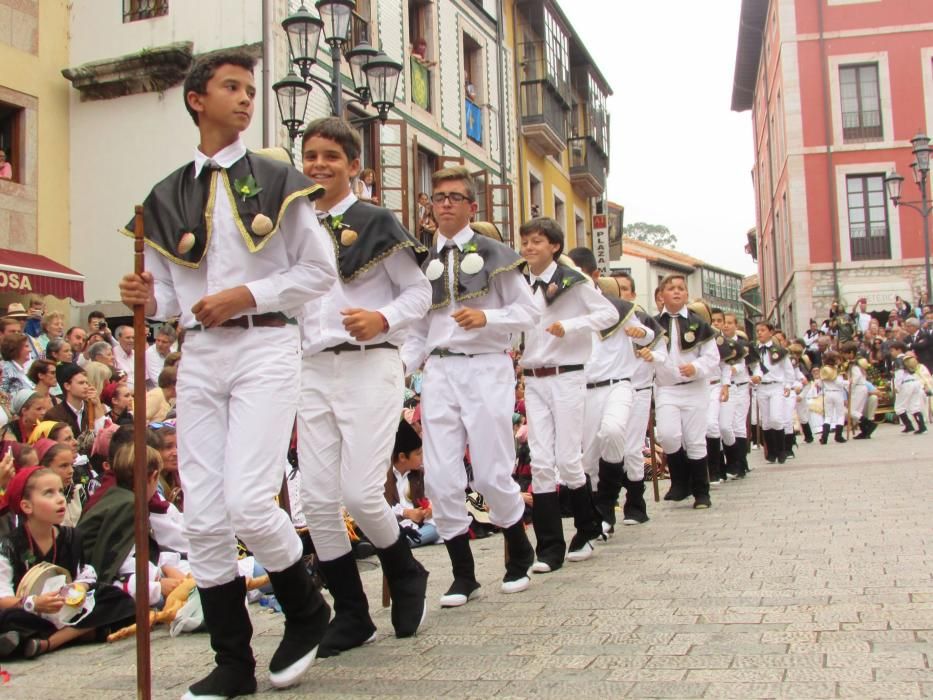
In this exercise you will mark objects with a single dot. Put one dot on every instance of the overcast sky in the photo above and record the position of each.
(680, 157)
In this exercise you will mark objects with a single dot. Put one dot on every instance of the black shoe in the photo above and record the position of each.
(230, 630)
(586, 519)
(549, 532)
(521, 558)
(908, 426)
(352, 626)
(702, 502)
(921, 424)
(699, 481)
(868, 427)
(741, 451)
(461, 562)
(839, 437)
(680, 477)
(611, 480)
(807, 433)
(824, 438)
(713, 457)
(306, 617)
(408, 584)
(771, 450)
(635, 510)
(789, 442)
(865, 431)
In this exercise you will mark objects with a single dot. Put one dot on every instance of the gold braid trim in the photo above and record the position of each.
(372, 263)
(485, 290)
(615, 328)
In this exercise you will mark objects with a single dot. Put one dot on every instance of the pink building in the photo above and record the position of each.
(837, 89)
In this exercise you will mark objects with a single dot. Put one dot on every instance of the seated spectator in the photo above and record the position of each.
(53, 328)
(161, 400)
(119, 399)
(43, 374)
(30, 624)
(169, 481)
(165, 338)
(102, 352)
(77, 339)
(80, 401)
(123, 353)
(60, 459)
(99, 375)
(59, 350)
(15, 351)
(33, 322)
(29, 409)
(7, 468)
(404, 488)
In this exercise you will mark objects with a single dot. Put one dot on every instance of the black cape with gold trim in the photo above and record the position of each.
(700, 331)
(625, 309)
(561, 280)
(730, 351)
(776, 353)
(497, 258)
(365, 235)
(179, 204)
(652, 323)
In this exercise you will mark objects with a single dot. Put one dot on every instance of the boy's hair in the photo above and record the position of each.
(850, 347)
(168, 377)
(667, 279)
(897, 345)
(584, 259)
(123, 464)
(123, 437)
(626, 276)
(456, 172)
(727, 314)
(767, 325)
(203, 69)
(715, 310)
(95, 314)
(547, 227)
(337, 130)
(52, 453)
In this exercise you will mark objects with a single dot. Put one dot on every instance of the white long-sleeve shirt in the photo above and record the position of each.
(781, 372)
(396, 288)
(704, 358)
(614, 357)
(296, 265)
(582, 310)
(508, 307)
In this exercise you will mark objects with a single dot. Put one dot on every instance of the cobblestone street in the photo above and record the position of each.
(808, 580)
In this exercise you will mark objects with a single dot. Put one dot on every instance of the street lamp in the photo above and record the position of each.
(375, 76)
(921, 171)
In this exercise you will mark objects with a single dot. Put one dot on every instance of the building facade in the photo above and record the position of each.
(837, 88)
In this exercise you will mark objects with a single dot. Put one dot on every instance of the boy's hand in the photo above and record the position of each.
(756, 380)
(214, 309)
(138, 289)
(687, 370)
(363, 325)
(633, 332)
(469, 319)
(556, 329)
(724, 393)
(645, 354)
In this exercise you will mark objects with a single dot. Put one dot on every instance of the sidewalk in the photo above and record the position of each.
(813, 579)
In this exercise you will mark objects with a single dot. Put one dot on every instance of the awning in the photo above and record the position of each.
(28, 273)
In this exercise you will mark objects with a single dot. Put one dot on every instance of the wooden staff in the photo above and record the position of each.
(140, 478)
(654, 459)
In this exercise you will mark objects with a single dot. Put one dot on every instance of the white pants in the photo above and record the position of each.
(910, 398)
(790, 405)
(635, 433)
(771, 406)
(606, 418)
(734, 414)
(237, 399)
(470, 399)
(554, 406)
(859, 401)
(715, 411)
(351, 403)
(834, 408)
(680, 415)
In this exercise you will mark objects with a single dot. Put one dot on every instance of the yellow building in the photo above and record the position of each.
(563, 138)
(34, 203)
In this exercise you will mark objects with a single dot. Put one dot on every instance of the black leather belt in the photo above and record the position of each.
(350, 347)
(606, 382)
(444, 352)
(741, 384)
(551, 371)
(645, 388)
(714, 382)
(271, 320)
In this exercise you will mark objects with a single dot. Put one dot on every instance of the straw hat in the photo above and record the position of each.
(275, 153)
(609, 286)
(16, 310)
(488, 229)
(701, 309)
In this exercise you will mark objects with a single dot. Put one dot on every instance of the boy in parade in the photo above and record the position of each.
(718, 393)
(774, 378)
(609, 398)
(909, 395)
(733, 426)
(353, 388)
(834, 397)
(479, 300)
(555, 352)
(235, 250)
(858, 390)
(682, 393)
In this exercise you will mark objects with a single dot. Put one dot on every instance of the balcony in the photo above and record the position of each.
(544, 118)
(588, 167)
(420, 84)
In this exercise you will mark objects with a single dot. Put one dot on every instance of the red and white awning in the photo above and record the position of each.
(28, 273)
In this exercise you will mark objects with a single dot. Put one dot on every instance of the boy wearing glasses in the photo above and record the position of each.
(479, 301)
(352, 390)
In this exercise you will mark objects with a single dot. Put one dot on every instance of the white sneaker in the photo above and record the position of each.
(582, 554)
(541, 567)
(291, 675)
(516, 586)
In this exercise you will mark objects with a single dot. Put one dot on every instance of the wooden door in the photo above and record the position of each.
(393, 169)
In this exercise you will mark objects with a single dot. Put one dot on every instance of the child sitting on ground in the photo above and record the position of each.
(405, 488)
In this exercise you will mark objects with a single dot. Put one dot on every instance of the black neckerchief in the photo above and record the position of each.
(730, 351)
(775, 354)
(497, 258)
(625, 309)
(365, 235)
(699, 330)
(561, 280)
(179, 204)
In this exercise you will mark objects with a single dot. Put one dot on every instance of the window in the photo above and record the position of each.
(420, 32)
(134, 10)
(861, 103)
(534, 195)
(473, 87)
(560, 212)
(599, 117)
(868, 218)
(360, 29)
(557, 57)
(580, 227)
(12, 139)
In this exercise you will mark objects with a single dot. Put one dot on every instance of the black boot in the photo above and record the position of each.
(611, 481)
(867, 427)
(741, 450)
(733, 468)
(921, 424)
(635, 510)
(777, 437)
(789, 442)
(587, 522)
(549, 532)
(230, 629)
(521, 558)
(771, 452)
(461, 561)
(824, 438)
(352, 626)
(680, 477)
(408, 584)
(908, 426)
(839, 437)
(306, 617)
(713, 457)
(699, 483)
(807, 433)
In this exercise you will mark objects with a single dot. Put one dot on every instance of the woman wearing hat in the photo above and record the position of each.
(16, 354)
(29, 409)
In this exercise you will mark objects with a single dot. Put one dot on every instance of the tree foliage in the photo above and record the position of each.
(655, 234)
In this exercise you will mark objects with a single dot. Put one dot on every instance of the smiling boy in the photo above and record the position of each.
(235, 250)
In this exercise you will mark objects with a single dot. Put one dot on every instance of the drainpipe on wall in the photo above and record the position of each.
(518, 104)
(503, 146)
(266, 70)
(830, 167)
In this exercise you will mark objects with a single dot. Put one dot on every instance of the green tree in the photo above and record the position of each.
(655, 234)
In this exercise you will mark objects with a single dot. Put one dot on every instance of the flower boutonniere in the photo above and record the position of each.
(347, 235)
(691, 335)
(470, 247)
(246, 187)
(566, 282)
